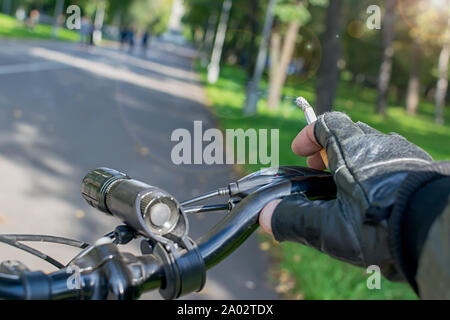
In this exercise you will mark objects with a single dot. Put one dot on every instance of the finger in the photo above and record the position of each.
(316, 162)
(333, 130)
(265, 217)
(336, 126)
(305, 143)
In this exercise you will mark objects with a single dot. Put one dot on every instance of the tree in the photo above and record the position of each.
(281, 61)
(116, 12)
(412, 95)
(242, 37)
(98, 21)
(208, 38)
(328, 74)
(150, 14)
(59, 7)
(385, 72)
(254, 26)
(430, 22)
(292, 14)
(6, 7)
(214, 65)
(252, 92)
(442, 83)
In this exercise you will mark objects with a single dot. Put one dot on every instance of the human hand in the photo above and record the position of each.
(368, 168)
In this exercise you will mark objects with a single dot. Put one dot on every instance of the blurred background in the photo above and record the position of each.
(96, 83)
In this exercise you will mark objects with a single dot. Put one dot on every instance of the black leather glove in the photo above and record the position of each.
(368, 168)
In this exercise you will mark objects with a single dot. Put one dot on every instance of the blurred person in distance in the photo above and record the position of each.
(145, 42)
(130, 38)
(123, 37)
(33, 19)
(392, 207)
(85, 31)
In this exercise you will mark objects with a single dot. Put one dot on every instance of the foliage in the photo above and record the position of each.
(150, 15)
(10, 27)
(362, 47)
(288, 11)
(320, 277)
(244, 27)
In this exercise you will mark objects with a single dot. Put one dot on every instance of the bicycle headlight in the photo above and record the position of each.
(147, 209)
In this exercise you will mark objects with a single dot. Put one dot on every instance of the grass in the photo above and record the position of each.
(316, 276)
(12, 28)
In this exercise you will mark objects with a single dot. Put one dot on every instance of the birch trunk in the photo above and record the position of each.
(279, 77)
(442, 84)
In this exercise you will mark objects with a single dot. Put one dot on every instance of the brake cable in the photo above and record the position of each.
(45, 238)
(13, 240)
(207, 208)
(32, 251)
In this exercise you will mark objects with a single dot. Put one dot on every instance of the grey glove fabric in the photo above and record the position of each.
(368, 168)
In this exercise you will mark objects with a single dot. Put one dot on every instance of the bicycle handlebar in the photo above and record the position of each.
(106, 273)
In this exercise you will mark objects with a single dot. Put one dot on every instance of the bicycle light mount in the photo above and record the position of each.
(158, 217)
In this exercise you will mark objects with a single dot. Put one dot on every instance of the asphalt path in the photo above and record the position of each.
(65, 110)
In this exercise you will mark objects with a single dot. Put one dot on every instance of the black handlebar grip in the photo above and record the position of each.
(37, 285)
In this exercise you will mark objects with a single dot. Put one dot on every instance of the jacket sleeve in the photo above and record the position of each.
(426, 240)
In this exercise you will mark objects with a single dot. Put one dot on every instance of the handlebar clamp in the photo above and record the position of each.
(184, 273)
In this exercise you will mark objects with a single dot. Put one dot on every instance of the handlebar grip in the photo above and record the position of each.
(37, 285)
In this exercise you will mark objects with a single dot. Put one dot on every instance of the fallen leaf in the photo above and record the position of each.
(17, 113)
(264, 246)
(79, 214)
(250, 285)
(143, 150)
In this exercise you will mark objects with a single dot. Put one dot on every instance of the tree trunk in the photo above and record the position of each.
(98, 22)
(251, 102)
(117, 20)
(214, 65)
(252, 49)
(208, 39)
(279, 77)
(384, 75)
(275, 50)
(442, 84)
(412, 96)
(7, 6)
(59, 7)
(328, 74)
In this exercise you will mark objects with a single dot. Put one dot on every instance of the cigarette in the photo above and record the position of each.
(311, 117)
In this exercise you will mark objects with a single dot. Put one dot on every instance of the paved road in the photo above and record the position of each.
(65, 110)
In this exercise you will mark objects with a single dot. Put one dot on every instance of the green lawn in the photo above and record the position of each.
(10, 27)
(316, 275)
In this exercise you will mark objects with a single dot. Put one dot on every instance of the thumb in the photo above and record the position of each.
(320, 224)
